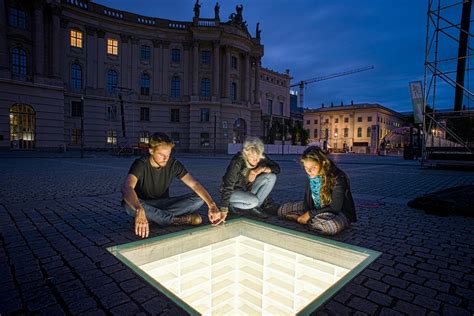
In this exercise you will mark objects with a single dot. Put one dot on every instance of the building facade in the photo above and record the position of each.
(75, 73)
(357, 127)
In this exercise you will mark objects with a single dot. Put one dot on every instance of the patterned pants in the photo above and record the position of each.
(324, 223)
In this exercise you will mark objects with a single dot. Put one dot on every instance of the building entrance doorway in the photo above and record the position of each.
(22, 126)
(239, 131)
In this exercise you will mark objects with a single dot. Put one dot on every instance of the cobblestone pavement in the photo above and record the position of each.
(57, 216)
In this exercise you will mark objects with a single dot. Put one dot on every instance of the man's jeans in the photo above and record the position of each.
(163, 210)
(261, 188)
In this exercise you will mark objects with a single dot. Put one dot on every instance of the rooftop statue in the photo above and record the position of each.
(197, 9)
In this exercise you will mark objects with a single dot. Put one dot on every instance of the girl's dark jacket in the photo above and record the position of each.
(235, 177)
(341, 199)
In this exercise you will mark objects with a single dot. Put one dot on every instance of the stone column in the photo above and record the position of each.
(226, 80)
(91, 57)
(100, 58)
(39, 39)
(4, 56)
(246, 78)
(124, 54)
(195, 68)
(215, 65)
(257, 82)
(56, 41)
(186, 68)
(157, 78)
(166, 66)
(134, 75)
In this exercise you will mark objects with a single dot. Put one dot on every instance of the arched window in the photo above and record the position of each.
(369, 131)
(359, 132)
(76, 76)
(112, 79)
(175, 87)
(233, 91)
(22, 126)
(205, 87)
(19, 63)
(145, 84)
(239, 131)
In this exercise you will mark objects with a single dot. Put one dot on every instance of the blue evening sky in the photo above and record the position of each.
(313, 38)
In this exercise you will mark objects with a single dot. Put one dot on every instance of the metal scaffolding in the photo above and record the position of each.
(447, 69)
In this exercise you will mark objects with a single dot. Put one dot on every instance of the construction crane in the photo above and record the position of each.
(303, 83)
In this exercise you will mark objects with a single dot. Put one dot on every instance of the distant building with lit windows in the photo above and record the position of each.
(355, 127)
(123, 76)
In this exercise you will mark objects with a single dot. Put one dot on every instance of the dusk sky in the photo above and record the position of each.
(314, 38)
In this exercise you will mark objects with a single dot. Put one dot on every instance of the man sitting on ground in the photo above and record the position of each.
(145, 191)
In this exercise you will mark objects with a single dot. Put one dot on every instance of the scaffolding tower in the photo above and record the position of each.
(448, 30)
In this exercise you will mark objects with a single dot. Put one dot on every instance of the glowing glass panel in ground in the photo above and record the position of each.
(245, 267)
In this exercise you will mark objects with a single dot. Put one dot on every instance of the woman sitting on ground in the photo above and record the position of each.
(248, 181)
(328, 207)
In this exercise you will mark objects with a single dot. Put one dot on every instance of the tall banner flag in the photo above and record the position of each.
(416, 93)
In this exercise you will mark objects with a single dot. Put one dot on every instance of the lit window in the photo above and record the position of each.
(204, 140)
(112, 46)
(17, 18)
(76, 76)
(145, 84)
(144, 137)
(76, 38)
(112, 137)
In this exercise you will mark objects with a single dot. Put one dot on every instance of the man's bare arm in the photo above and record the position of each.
(199, 189)
(128, 192)
(130, 197)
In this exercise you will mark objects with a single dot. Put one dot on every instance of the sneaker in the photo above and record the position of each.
(269, 206)
(188, 219)
(257, 212)
(234, 210)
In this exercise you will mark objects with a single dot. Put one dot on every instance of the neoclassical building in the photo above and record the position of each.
(355, 127)
(75, 73)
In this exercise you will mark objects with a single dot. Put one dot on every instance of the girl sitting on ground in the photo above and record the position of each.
(328, 207)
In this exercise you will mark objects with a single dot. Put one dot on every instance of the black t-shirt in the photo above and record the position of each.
(153, 183)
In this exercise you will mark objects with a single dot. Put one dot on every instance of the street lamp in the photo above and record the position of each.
(335, 136)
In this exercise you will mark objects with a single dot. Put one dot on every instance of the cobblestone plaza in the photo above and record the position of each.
(58, 216)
